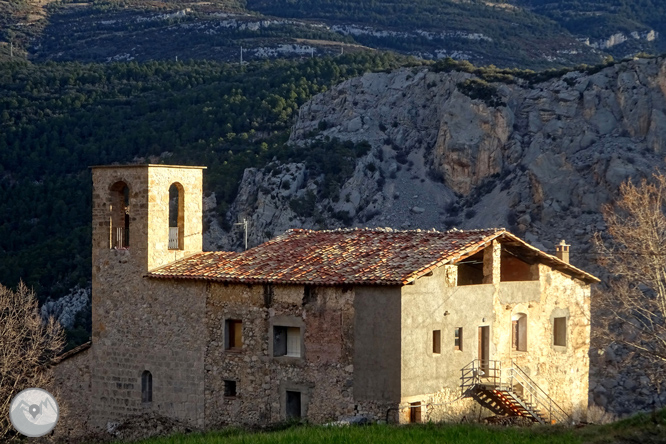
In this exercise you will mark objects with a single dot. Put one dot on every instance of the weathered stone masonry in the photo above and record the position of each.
(324, 375)
(320, 325)
(137, 326)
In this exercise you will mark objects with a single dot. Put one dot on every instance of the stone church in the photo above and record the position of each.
(404, 326)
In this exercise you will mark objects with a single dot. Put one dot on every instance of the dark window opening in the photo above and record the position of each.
(458, 339)
(287, 341)
(560, 332)
(513, 268)
(146, 387)
(233, 333)
(293, 405)
(229, 388)
(415, 412)
(437, 341)
(470, 270)
(484, 348)
(176, 217)
(268, 295)
(119, 219)
(309, 294)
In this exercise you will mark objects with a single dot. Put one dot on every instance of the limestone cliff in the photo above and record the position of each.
(540, 159)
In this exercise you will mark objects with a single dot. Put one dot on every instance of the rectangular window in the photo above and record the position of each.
(560, 332)
(229, 389)
(293, 405)
(233, 334)
(146, 387)
(519, 332)
(437, 341)
(458, 341)
(415, 412)
(287, 341)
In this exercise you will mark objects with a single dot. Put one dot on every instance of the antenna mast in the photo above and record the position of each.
(244, 224)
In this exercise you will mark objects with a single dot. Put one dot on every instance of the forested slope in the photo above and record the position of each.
(56, 119)
(596, 17)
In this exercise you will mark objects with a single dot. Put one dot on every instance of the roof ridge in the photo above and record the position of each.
(392, 230)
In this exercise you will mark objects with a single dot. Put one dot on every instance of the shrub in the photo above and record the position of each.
(305, 205)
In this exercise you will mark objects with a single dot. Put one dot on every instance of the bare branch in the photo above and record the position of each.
(28, 346)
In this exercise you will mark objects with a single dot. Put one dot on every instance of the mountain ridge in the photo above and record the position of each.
(519, 33)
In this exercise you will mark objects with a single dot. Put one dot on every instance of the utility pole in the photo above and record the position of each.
(241, 62)
(312, 52)
(244, 224)
(11, 49)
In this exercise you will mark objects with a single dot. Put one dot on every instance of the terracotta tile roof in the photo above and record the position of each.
(338, 257)
(75, 351)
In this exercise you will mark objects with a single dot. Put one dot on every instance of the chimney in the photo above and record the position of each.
(562, 251)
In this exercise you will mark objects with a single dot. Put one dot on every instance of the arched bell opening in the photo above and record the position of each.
(119, 218)
(176, 216)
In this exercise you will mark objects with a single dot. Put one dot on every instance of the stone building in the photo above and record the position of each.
(404, 325)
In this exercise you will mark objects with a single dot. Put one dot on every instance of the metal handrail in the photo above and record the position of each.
(173, 238)
(536, 394)
(506, 378)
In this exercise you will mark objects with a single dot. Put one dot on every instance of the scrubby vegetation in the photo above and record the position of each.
(643, 428)
(510, 36)
(58, 119)
(596, 18)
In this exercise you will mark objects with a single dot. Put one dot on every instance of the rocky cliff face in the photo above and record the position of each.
(538, 159)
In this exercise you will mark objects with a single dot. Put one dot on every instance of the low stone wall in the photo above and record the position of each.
(446, 405)
(72, 391)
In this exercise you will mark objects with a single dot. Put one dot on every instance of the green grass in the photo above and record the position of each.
(642, 428)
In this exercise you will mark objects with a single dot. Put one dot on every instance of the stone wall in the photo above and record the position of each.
(71, 387)
(377, 344)
(435, 302)
(139, 324)
(561, 371)
(445, 405)
(430, 305)
(323, 374)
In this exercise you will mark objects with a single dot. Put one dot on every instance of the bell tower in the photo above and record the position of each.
(144, 217)
(148, 215)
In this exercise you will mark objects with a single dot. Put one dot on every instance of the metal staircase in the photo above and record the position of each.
(509, 390)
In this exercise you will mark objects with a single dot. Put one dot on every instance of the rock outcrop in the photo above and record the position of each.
(540, 159)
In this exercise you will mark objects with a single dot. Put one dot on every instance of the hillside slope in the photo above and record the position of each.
(532, 34)
(448, 149)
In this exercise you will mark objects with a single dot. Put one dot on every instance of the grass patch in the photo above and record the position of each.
(642, 428)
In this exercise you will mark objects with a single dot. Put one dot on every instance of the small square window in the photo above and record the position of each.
(233, 334)
(560, 332)
(458, 339)
(287, 341)
(229, 388)
(437, 341)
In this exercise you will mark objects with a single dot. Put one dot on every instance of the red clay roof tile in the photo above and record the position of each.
(341, 257)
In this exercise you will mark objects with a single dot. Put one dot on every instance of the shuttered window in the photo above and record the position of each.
(294, 342)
